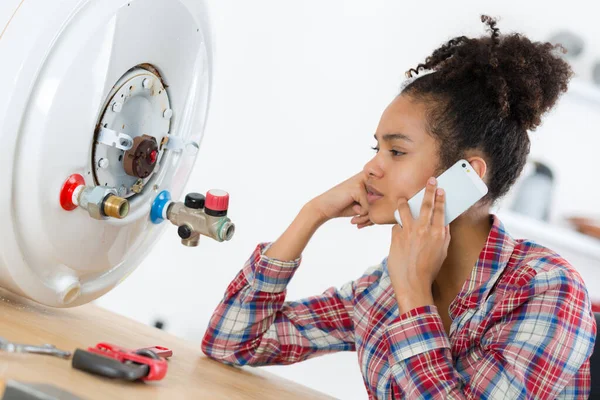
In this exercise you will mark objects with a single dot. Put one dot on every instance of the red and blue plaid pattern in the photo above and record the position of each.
(522, 327)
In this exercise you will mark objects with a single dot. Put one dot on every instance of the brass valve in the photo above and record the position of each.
(197, 215)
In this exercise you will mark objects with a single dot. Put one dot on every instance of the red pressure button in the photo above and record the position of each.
(217, 201)
(153, 156)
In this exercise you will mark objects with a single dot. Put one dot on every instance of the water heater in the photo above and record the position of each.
(102, 110)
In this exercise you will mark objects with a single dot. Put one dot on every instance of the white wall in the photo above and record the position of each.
(299, 90)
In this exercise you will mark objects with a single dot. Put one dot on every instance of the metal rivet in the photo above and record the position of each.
(148, 83)
(168, 113)
(117, 107)
(103, 163)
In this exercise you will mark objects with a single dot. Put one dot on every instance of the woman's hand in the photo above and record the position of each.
(418, 249)
(348, 199)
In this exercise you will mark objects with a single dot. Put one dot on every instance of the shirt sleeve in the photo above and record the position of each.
(254, 325)
(544, 333)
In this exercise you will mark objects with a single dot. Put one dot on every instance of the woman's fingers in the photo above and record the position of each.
(427, 206)
(362, 219)
(404, 212)
(362, 200)
(353, 211)
(439, 209)
(360, 226)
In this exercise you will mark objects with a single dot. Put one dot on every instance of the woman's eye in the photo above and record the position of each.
(395, 153)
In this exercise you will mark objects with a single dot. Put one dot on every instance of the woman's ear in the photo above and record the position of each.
(479, 165)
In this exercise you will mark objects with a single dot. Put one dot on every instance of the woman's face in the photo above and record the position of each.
(406, 158)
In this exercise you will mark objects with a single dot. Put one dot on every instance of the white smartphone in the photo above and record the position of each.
(462, 186)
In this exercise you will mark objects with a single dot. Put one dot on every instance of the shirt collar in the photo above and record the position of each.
(491, 263)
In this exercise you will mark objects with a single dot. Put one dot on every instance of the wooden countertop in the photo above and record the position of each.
(191, 375)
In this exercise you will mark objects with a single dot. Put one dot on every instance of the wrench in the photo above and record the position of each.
(47, 349)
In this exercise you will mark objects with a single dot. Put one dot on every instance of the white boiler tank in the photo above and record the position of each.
(85, 87)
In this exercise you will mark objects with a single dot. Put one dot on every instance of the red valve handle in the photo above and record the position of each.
(217, 200)
(66, 193)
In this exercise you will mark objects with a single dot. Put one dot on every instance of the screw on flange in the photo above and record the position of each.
(103, 163)
(147, 83)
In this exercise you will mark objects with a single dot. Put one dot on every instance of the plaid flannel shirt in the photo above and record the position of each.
(522, 327)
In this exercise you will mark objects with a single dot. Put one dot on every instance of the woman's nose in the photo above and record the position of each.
(372, 169)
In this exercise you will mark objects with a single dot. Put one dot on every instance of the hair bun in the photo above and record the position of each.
(530, 78)
(523, 78)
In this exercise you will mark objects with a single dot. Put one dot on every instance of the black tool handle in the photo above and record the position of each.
(108, 367)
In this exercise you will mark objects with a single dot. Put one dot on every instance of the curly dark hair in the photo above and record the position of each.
(486, 93)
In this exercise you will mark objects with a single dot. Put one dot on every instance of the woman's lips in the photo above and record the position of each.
(372, 197)
(372, 194)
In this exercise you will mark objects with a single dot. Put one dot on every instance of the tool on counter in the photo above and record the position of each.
(35, 391)
(48, 349)
(111, 361)
(159, 351)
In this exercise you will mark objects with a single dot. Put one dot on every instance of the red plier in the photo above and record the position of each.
(107, 347)
(146, 364)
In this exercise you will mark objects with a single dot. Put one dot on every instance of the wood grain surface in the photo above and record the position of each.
(191, 375)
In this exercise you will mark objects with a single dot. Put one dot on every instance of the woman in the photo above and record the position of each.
(474, 315)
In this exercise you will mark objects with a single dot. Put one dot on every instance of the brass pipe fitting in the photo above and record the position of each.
(102, 202)
(116, 207)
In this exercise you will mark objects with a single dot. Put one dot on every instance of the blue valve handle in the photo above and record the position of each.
(158, 207)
